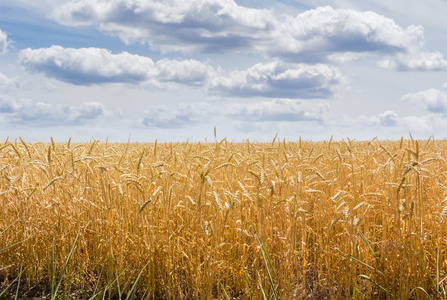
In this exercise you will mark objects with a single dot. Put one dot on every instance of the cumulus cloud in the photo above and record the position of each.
(318, 32)
(219, 26)
(173, 25)
(433, 100)
(45, 114)
(416, 61)
(386, 119)
(87, 66)
(188, 71)
(4, 42)
(279, 110)
(278, 79)
(183, 114)
(86, 111)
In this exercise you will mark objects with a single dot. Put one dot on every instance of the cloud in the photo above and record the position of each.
(279, 110)
(183, 114)
(8, 105)
(434, 100)
(43, 114)
(416, 61)
(173, 25)
(86, 111)
(222, 26)
(316, 33)
(4, 42)
(8, 83)
(88, 66)
(277, 79)
(386, 119)
(342, 57)
(189, 71)
(390, 122)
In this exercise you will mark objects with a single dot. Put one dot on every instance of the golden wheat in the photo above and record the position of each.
(181, 220)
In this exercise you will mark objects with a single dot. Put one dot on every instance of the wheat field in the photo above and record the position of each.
(224, 220)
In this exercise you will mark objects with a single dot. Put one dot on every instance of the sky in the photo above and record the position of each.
(174, 70)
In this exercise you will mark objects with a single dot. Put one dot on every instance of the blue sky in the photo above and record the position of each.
(172, 70)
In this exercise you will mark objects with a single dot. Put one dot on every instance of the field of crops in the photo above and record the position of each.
(224, 220)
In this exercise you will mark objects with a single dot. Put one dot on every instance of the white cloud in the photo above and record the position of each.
(279, 110)
(388, 118)
(86, 111)
(183, 114)
(172, 25)
(433, 100)
(426, 124)
(4, 42)
(188, 71)
(41, 114)
(323, 31)
(342, 57)
(8, 105)
(277, 79)
(87, 66)
(8, 83)
(416, 61)
(389, 123)
(220, 26)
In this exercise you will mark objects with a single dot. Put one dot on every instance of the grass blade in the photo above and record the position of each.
(10, 246)
(426, 270)
(225, 292)
(248, 285)
(425, 292)
(262, 289)
(53, 296)
(264, 254)
(97, 283)
(17, 278)
(107, 288)
(1, 233)
(371, 249)
(18, 283)
(357, 260)
(136, 282)
(378, 285)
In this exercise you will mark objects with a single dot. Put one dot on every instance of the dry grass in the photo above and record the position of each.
(183, 219)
